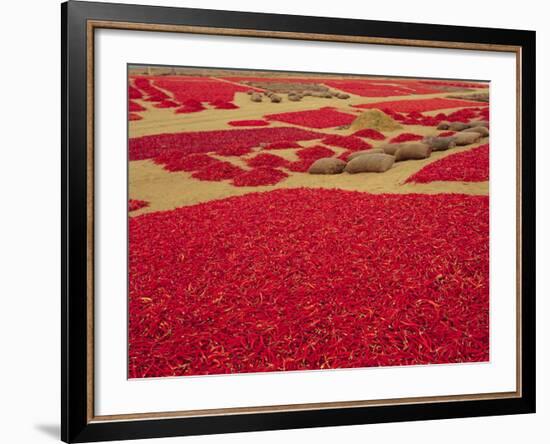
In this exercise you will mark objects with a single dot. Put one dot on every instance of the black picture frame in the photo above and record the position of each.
(76, 423)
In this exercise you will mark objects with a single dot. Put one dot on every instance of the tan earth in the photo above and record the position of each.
(167, 190)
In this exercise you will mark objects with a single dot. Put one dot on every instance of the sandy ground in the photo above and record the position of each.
(165, 190)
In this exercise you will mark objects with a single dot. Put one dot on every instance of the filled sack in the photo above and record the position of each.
(440, 143)
(391, 148)
(327, 165)
(475, 123)
(412, 151)
(477, 129)
(370, 163)
(458, 126)
(363, 152)
(466, 138)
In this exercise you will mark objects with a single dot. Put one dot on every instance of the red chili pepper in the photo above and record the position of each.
(466, 166)
(318, 118)
(279, 280)
(406, 137)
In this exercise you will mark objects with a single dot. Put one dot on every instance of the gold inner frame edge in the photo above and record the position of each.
(92, 25)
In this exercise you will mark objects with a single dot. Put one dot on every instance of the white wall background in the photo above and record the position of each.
(30, 208)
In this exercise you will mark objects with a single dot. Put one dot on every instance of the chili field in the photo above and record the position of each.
(291, 221)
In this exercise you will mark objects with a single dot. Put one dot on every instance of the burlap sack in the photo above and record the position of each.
(391, 148)
(458, 126)
(363, 152)
(370, 163)
(440, 143)
(255, 97)
(411, 151)
(475, 123)
(327, 165)
(466, 138)
(477, 129)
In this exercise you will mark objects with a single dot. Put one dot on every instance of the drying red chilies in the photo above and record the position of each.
(318, 118)
(419, 105)
(369, 134)
(314, 152)
(220, 104)
(217, 171)
(406, 137)
(262, 175)
(167, 104)
(248, 123)
(266, 160)
(136, 204)
(285, 144)
(350, 142)
(135, 107)
(134, 116)
(466, 166)
(304, 279)
(176, 161)
(147, 147)
(381, 87)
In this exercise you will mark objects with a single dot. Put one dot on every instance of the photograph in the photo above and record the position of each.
(274, 222)
(303, 221)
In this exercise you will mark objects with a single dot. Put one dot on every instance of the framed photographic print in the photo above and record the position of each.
(276, 221)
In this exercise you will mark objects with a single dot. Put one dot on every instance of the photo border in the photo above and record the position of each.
(79, 21)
